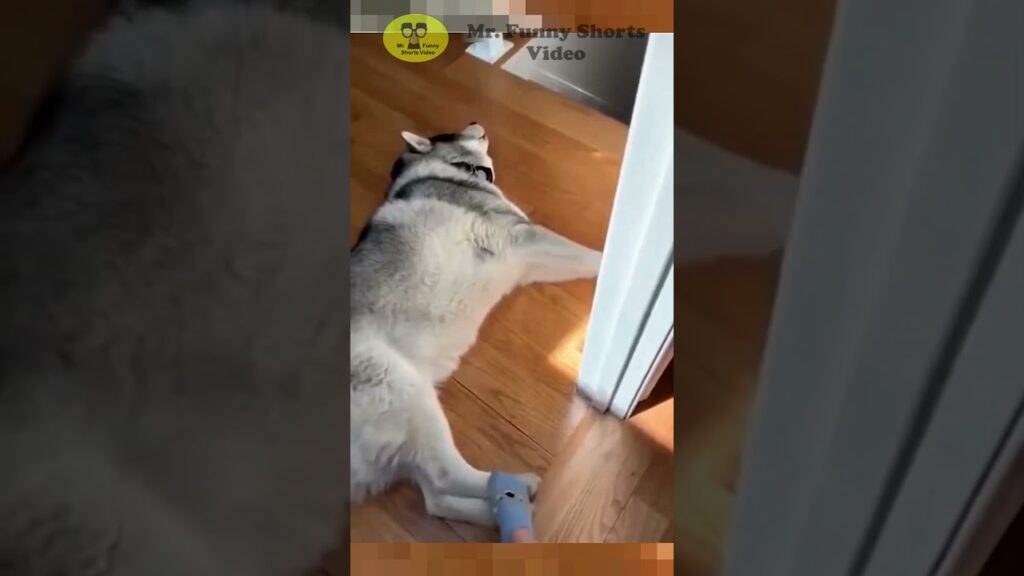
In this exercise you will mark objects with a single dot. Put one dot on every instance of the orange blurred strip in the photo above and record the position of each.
(651, 15)
(511, 559)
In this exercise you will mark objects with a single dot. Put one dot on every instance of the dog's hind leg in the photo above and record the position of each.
(438, 466)
(452, 487)
(550, 257)
(472, 510)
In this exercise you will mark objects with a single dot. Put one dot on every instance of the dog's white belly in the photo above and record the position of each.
(439, 350)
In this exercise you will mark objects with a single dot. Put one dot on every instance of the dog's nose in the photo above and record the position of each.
(473, 123)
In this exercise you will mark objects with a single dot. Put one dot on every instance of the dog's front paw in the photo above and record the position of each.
(594, 262)
(532, 482)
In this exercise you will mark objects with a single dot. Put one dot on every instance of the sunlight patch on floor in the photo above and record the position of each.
(657, 423)
(566, 356)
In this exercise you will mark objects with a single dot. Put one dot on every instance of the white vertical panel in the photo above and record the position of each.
(914, 141)
(640, 234)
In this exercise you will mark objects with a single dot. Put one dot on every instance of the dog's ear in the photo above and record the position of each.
(416, 143)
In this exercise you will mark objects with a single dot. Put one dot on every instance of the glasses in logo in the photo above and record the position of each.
(414, 33)
(420, 30)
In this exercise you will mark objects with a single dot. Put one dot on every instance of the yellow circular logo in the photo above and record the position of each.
(415, 37)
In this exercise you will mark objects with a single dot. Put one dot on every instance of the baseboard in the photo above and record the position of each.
(489, 50)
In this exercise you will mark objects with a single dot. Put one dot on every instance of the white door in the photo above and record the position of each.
(889, 385)
(633, 308)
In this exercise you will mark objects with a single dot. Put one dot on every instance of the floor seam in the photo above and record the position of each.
(488, 405)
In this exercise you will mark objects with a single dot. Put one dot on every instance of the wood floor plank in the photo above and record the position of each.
(371, 523)
(647, 514)
(485, 438)
(549, 330)
(657, 422)
(402, 506)
(584, 494)
(536, 398)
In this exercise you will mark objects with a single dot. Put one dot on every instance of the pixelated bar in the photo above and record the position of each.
(473, 559)
(584, 16)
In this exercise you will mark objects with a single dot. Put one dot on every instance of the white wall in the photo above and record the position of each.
(729, 205)
(606, 79)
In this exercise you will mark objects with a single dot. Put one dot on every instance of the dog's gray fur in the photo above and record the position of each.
(444, 248)
(171, 268)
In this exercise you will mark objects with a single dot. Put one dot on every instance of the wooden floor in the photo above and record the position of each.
(724, 308)
(512, 404)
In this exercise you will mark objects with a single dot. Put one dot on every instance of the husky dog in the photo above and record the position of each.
(172, 305)
(442, 250)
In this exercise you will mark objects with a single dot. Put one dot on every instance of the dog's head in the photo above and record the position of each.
(466, 150)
